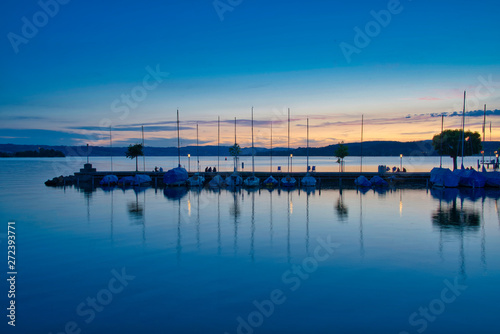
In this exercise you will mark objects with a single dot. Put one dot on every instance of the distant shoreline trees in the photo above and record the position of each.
(41, 153)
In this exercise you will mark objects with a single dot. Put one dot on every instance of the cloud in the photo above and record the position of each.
(160, 142)
(24, 118)
(429, 98)
(40, 137)
(418, 133)
(154, 128)
(472, 113)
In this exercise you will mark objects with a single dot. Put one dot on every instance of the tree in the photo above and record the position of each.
(452, 144)
(235, 150)
(341, 152)
(133, 152)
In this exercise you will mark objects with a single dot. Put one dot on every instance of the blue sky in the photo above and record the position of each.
(65, 83)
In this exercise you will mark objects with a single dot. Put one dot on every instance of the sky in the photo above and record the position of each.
(72, 69)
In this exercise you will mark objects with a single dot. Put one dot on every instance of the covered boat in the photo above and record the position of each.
(362, 181)
(378, 181)
(444, 177)
(234, 180)
(216, 182)
(196, 180)
(127, 181)
(308, 181)
(288, 181)
(109, 180)
(492, 179)
(141, 179)
(470, 178)
(252, 181)
(270, 182)
(175, 177)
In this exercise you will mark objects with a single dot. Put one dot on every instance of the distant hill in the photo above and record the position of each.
(40, 153)
(370, 148)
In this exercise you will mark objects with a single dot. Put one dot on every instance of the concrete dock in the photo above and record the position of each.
(90, 175)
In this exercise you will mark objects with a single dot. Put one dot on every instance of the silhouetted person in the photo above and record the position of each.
(215, 170)
(210, 169)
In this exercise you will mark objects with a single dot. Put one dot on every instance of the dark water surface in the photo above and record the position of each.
(329, 261)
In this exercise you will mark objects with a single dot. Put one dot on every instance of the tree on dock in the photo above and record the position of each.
(133, 152)
(235, 151)
(341, 152)
(451, 144)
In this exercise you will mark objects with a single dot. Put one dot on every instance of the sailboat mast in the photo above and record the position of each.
(111, 147)
(484, 131)
(178, 140)
(271, 147)
(143, 156)
(218, 143)
(463, 132)
(288, 140)
(197, 151)
(441, 149)
(253, 154)
(361, 165)
(307, 169)
(236, 153)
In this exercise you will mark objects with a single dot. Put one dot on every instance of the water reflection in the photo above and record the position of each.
(136, 210)
(452, 218)
(235, 212)
(361, 237)
(246, 209)
(341, 208)
(175, 193)
(457, 220)
(470, 194)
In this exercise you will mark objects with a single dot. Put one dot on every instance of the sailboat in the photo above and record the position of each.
(308, 180)
(492, 178)
(468, 178)
(176, 176)
(110, 179)
(217, 181)
(443, 177)
(252, 181)
(197, 179)
(271, 182)
(288, 181)
(234, 179)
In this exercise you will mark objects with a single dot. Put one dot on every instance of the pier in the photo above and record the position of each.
(89, 175)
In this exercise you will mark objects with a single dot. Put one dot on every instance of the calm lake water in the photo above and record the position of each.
(177, 261)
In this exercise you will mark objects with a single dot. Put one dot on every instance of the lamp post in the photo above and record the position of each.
(189, 162)
(291, 162)
(401, 162)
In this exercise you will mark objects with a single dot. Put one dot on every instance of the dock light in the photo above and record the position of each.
(291, 162)
(401, 162)
(189, 162)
